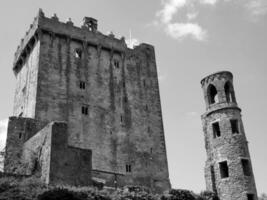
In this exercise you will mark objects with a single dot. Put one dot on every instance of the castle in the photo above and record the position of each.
(86, 108)
(228, 170)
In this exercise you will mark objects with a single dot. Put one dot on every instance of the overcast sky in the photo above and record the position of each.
(192, 38)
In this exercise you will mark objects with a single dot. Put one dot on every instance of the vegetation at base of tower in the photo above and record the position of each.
(12, 188)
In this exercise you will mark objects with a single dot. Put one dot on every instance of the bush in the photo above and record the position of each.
(179, 195)
(18, 188)
(61, 194)
(207, 195)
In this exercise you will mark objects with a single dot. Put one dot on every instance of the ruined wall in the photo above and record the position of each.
(19, 131)
(48, 156)
(36, 154)
(229, 146)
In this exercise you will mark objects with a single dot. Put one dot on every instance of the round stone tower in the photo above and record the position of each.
(228, 170)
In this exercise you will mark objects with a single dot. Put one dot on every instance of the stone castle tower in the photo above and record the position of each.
(228, 169)
(86, 108)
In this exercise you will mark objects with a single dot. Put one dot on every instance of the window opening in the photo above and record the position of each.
(234, 126)
(250, 196)
(116, 64)
(85, 110)
(229, 92)
(78, 53)
(128, 168)
(216, 130)
(224, 169)
(246, 167)
(212, 94)
(82, 85)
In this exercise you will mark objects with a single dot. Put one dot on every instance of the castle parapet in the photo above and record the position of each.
(87, 34)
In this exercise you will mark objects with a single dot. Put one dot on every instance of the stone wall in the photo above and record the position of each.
(26, 85)
(48, 156)
(123, 125)
(230, 146)
(19, 131)
(124, 121)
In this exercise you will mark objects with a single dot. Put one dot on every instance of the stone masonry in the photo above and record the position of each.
(79, 95)
(228, 170)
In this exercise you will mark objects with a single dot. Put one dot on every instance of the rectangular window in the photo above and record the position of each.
(250, 196)
(234, 125)
(85, 110)
(246, 167)
(116, 64)
(82, 85)
(216, 129)
(128, 168)
(224, 169)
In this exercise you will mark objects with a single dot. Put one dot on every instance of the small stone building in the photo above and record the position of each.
(228, 169)
(86, 108)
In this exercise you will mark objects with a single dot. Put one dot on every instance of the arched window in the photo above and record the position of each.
(229, 92)
(212, 94)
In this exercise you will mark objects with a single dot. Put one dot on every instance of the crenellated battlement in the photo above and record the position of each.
(87, 34)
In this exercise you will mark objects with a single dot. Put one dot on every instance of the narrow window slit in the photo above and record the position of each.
(216, 130)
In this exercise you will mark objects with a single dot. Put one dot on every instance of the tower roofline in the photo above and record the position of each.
(205, 79)
(67, 29)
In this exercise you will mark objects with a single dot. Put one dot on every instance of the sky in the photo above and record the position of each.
(192, 39)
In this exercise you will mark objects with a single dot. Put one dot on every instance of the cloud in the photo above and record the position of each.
(3, 133)
(192, 15)
(257, 8)
(210, 2)
(189, 27)
(170, 8)
(180, 30)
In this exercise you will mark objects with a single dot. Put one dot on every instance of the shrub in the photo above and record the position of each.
(207, 195)
(179, 195)
(61, 194)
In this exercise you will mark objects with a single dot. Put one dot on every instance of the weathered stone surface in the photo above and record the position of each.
(19, 131)
(230, 147)
(48, 156)
(123, 125)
